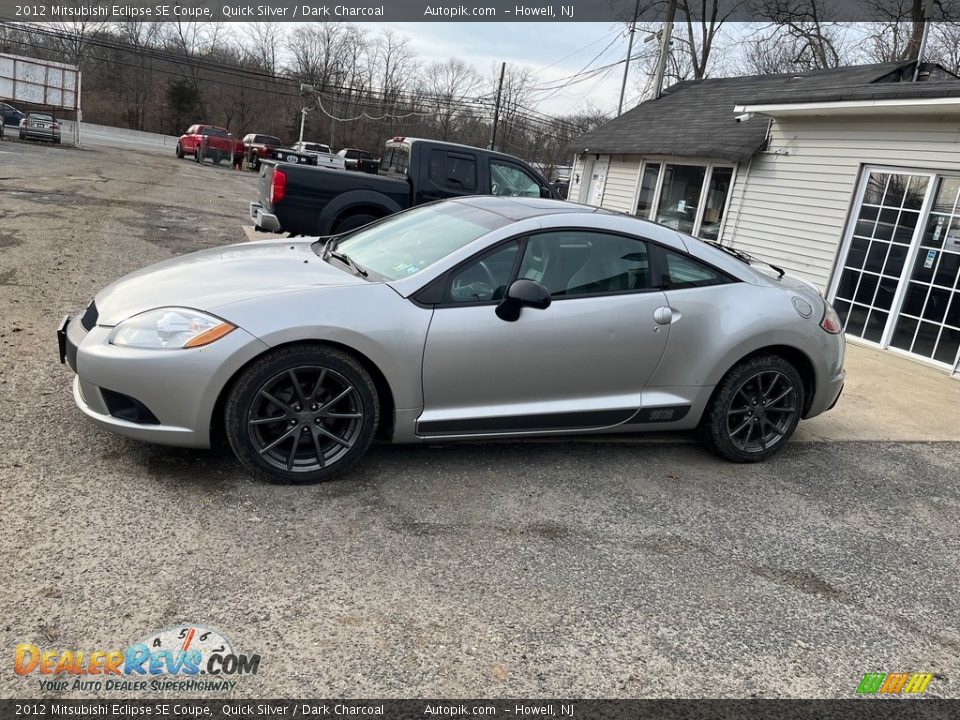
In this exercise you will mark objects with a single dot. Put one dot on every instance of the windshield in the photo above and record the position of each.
(407, 243)
(268, 140)
(217, 132)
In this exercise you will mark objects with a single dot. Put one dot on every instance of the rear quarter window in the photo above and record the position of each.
(682, 272)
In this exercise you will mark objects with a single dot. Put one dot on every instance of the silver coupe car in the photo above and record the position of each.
(479, 317)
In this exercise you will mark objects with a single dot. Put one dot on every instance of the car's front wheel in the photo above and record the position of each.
(179, 151)
(754, 410)
(302, 414)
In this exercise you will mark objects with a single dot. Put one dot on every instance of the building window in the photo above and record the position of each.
(685, 197)
(680, 192)
(648, 188)
(715, 203)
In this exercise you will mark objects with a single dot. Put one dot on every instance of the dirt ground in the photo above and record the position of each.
(562, 569)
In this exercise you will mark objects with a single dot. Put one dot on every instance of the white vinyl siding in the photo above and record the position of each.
(576, 176)
(620, 191)
(619, 185)
(796, 203)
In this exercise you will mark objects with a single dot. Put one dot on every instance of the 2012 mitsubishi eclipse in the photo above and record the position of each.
(480, 317)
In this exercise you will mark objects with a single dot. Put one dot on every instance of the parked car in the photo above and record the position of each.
(40, 126)
(308, 201)
(324, 157)
(359, 160)
(476, 317)
(209, 141)
(257, 146)
(11, 116)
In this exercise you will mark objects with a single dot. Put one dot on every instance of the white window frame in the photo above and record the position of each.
(708, 165)
(909, 261)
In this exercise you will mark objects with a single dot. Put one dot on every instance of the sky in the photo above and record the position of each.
(551, 50)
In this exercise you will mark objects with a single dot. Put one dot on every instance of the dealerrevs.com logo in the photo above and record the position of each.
(184, 657)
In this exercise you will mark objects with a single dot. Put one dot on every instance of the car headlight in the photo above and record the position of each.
(169, 329)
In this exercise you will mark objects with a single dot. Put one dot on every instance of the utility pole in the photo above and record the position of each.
(626, 67)
(664, 49)
(303, 109)
(496, 108)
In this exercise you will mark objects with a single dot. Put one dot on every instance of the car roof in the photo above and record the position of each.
(521, 208)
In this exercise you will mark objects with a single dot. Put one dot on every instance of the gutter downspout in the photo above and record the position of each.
(927, 12)
(746, 183)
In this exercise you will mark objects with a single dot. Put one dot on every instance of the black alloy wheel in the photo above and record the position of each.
(754, 410)
(302, 414)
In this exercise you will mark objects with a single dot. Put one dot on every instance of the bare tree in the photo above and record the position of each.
(449, 86)
(263, 42)
(944, 45)
(801, 36)
(74, 36)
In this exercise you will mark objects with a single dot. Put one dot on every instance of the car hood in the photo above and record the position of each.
(211, 278)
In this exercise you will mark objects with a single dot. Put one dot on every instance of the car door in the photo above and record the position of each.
(580, 363)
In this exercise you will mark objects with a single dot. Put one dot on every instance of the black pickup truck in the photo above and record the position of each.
(305, 200)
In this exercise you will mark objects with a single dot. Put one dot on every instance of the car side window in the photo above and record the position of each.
(682, 271)
(456, 171)
(484, 279)
(571, 263)
(512, 180)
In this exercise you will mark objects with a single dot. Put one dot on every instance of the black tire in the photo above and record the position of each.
(754, 410)
(179, 152)
(23, 136)
(216, 156)
(286, 450)
(197, 154)
(352, 222)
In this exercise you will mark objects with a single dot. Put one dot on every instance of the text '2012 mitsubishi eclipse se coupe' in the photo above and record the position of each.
(479, 317)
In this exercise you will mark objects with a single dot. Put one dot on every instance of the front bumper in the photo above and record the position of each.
(179, 388)
(263, 220)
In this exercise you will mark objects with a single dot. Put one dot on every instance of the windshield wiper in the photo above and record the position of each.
(348, 261)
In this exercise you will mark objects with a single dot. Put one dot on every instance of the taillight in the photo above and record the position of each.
(278, 186)
(831, 321)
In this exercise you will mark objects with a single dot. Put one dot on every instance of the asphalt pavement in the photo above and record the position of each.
(574, 568)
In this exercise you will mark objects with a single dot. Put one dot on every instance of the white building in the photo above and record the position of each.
(847, 177)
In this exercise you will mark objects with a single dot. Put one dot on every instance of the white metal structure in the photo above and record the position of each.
(41, 82)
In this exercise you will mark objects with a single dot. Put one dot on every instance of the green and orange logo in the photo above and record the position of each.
(894, 683)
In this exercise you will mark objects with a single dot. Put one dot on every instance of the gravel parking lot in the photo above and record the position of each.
(575, 568)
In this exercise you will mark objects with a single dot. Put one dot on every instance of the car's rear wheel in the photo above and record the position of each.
(179, 151)
(754, 410)
(302, 414)
(352, 222)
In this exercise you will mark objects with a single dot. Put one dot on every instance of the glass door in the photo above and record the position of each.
(878, 250)
(928, 323)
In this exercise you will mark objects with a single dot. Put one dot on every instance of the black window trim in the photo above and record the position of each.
(423, 297)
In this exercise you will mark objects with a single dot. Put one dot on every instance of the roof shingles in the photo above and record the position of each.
(696, 118)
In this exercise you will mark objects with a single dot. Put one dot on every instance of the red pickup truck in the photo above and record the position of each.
(208, 141)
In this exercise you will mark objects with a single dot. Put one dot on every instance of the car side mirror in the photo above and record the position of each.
(545, 192)
(522, 293)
